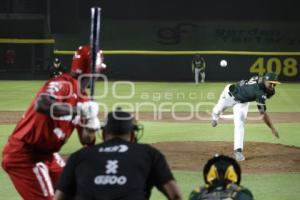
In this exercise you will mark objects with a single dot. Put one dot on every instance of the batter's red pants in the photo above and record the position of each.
(33, 180)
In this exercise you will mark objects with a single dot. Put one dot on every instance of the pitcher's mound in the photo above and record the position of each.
(260, 157)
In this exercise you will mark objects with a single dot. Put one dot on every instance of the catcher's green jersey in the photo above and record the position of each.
(231, 192)
(251, 90)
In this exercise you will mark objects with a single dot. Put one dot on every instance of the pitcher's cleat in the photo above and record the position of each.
(214, 123)
(238, 154)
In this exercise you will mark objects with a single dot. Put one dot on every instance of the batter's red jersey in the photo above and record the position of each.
(40, 134)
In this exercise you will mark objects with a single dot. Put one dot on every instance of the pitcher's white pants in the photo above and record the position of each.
(240, 111)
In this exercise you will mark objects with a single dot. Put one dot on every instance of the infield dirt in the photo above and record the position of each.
(260, 157)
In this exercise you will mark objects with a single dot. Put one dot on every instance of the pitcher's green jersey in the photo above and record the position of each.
(252, 90)
(231, 192)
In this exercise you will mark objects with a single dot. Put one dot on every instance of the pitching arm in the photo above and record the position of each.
(268, 122)
(261, 105)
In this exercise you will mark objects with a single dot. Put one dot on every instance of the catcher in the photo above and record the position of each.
(222, 176)
(56, 69)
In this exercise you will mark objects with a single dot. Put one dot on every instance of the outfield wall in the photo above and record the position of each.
(176, 65)
(249, 48)
(172, 66)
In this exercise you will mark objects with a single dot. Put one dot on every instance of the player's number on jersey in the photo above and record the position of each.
(287, 66)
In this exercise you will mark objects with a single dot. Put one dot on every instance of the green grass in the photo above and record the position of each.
(264, 186)
(16, 96)
(156, 132)
(163, 131)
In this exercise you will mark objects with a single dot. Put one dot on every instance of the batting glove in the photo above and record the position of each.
(93, 124)
(88, 110)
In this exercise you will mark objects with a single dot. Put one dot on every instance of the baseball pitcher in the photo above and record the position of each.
(238, 96)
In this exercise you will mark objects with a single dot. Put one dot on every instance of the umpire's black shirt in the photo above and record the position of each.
(56, 71)
(115, 169)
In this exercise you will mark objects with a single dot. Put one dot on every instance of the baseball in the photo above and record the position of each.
(223, 63)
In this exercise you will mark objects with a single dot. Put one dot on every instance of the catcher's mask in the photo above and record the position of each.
(221, 170)
(120, 123)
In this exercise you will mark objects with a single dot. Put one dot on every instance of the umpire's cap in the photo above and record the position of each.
(271, 77)
(56, 61)
(221, 170)
(119, 123)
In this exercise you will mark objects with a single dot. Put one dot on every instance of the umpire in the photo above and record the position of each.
(56, 69)
(118, 168)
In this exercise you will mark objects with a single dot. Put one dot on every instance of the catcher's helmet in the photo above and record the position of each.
(81, 61)
(221, 170)
(120, 122)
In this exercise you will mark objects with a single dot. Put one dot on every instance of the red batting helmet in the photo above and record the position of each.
(81, 61)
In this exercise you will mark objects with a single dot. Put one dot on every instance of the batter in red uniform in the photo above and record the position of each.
(30, 155)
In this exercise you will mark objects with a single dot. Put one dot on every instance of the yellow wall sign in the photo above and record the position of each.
(287, 66)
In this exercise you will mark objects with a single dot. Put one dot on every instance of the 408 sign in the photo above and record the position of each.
(287, 67)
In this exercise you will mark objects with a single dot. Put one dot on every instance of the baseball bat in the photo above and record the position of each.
(94, 44)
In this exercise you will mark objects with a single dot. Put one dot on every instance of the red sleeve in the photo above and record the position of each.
(84, 97)
(77, 62)
(58, 89)
(80, 61)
